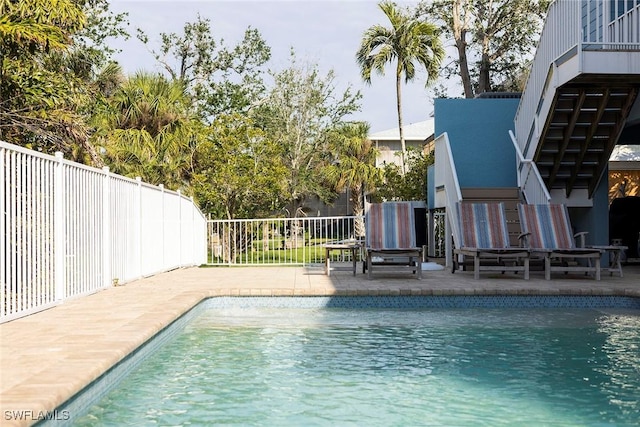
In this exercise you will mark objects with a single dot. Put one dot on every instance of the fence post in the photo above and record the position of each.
(138, 227)
(163, 227)
(448, 246)
(179, 228)
(106, 228)
(59, 237)
(193, 232)
(3, 239)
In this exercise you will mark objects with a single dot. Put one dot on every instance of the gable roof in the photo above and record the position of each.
(419, 131)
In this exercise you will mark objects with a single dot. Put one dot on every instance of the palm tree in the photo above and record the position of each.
(408, 41)
(354, 166)
(149, 130)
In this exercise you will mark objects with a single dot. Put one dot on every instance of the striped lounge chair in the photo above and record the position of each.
(485, 238)
(548, 233)
(390, 236)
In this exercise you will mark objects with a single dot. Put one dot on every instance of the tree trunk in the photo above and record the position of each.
(461, 45)
(459, 36)
(96, 159)
(399, 101)
(484, 78)
(358, 210)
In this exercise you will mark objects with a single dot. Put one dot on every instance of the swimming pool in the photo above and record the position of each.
(395, 362)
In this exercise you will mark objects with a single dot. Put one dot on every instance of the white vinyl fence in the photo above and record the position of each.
(68, 230)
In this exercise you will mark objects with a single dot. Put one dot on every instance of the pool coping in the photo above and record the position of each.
(62, 350)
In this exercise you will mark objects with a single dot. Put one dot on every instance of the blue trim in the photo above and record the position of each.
(430, 301)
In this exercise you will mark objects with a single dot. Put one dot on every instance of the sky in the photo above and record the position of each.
(322, 32)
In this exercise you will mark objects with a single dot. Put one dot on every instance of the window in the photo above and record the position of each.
(592, 14)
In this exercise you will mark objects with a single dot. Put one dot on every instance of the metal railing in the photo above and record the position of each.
(290, 241)
(68, 230)
(439, 241)
(281, 241)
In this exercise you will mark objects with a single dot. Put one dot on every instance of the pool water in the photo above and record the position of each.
(441, 367)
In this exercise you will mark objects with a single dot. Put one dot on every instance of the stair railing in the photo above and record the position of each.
(446, 182)
(560, 36)
(608, 25)
(529, 179)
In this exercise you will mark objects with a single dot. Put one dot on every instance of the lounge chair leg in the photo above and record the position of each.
(547, 268)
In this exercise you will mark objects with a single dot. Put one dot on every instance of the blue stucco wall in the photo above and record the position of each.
(595, 220)
(485, 157)
(478, 133)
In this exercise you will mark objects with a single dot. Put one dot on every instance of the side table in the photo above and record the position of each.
(341, 247)
(615, 253)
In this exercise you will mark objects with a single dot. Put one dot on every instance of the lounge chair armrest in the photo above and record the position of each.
(524, 239)
(581, 238)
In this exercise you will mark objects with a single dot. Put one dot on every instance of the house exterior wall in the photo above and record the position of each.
(478, 132)
(390, 151)
(595, 220)
(340, 207)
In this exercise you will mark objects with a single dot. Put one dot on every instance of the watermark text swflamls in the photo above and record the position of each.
(30, 415)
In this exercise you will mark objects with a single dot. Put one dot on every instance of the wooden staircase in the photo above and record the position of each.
(586, 119)
(510, 196)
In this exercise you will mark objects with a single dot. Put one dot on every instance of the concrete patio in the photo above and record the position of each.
(48, 357)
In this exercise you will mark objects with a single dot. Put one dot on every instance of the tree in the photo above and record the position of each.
(35, 100)
(409, 41)
(220, 79)
(149, 129)
(92, 41)
(409, 186)
(354, 167)
(53, 65)
(298, 111)
(238, 170)
(31, 26)
(493, 39)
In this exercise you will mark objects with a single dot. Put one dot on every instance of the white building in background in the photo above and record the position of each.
(419, 135)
